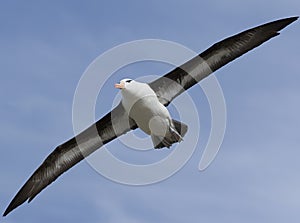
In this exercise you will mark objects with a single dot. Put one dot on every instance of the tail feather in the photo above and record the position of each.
(174, 135)
(180, 127)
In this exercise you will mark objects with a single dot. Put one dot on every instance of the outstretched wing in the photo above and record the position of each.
(167, 88)
(71, 152)
(181, 78)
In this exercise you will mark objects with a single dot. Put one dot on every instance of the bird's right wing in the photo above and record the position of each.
(190, 73)
(73, 151)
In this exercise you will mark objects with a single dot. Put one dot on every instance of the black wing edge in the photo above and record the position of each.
(45, 175)
(245, 41)
(180, 79)
(69, 154)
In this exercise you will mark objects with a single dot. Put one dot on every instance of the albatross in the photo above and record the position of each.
(144, 106)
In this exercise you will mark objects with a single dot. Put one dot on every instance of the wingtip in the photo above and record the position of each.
(282, 23)
(7, 211)
(18, 200)
(290, 20)
(295, 18)
(13, 205)
(276, 26)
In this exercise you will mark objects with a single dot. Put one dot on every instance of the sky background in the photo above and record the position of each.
(45, 48)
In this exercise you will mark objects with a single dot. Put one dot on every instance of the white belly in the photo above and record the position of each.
(143, 106)
(149, 114)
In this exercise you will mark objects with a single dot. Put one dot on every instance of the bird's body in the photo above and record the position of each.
(145, 108)
(151, 116)
(141, 104)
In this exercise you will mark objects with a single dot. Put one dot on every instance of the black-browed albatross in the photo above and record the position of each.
(166, 89)
(142, 105)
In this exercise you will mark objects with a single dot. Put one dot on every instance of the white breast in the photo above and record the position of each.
(143, 106)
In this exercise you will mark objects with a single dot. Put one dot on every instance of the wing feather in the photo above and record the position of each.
(73, 151)
(181, 78)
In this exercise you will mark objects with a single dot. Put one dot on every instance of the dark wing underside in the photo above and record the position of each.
(181, 78)
(73, 151)
(167, 88)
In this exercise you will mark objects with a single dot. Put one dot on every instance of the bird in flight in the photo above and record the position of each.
(144, 106)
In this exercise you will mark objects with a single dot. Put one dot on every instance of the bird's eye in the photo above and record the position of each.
(128, 81)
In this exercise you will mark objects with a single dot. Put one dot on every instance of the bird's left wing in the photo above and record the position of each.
(73, 151)
(190, 73)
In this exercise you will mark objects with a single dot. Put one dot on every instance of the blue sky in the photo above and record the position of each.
(45, 48)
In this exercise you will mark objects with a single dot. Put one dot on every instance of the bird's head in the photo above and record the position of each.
(124, 84)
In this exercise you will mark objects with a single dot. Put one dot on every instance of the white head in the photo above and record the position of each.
(124, 84)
